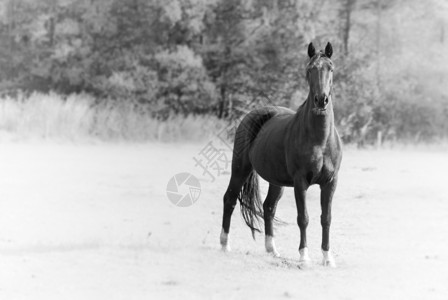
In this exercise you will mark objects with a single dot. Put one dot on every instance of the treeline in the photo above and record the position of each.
(225, 57)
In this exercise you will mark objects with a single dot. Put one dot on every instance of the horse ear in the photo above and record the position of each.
(328, 50)
(311, 50)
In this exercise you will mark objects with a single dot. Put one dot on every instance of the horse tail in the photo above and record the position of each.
(250, 203)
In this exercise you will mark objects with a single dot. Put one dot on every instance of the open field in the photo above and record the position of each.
(94, 222)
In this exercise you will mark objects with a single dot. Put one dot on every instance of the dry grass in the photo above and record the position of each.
(76, 118)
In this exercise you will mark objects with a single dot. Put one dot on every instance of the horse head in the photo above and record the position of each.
(319, 74)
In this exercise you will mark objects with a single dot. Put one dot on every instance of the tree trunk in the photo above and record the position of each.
(442, 33)
(222, 102)
(378, 43)
(225, 79)
(51, 30)
(11, 28)
(346, 14)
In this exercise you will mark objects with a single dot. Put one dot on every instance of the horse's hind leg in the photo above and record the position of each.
(269, 207)
(230, 199)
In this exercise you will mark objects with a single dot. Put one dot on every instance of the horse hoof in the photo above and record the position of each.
(304, 264)
(328, 260)
(270, 246)
(225, 248)
(273, 252)
(304, 261)
(224, 241)
(329, 263)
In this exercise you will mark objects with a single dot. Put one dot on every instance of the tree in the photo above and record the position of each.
(345, 13)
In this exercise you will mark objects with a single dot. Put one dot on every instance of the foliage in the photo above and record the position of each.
(224, 57)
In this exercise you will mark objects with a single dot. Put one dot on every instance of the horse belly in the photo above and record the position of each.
(267, 157)
(276, 180)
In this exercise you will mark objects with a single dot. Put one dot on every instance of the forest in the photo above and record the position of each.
(165, 59)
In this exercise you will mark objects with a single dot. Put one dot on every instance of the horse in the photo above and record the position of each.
(288, 149)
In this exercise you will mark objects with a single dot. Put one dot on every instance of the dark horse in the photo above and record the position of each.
(287, 148)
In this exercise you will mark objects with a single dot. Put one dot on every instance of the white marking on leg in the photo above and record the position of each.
(304, 260)
(328, 259)
(270, 245)
(304, 256)
(224, 239)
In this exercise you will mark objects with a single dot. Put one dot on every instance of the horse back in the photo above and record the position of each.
(254, 121)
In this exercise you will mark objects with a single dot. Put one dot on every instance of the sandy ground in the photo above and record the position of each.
(94, 222)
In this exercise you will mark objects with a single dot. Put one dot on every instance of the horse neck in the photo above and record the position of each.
(317, 129)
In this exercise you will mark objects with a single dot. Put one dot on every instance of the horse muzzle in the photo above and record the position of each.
(321, 102)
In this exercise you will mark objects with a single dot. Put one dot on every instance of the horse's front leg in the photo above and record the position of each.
(326, 197)
(300, 188)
